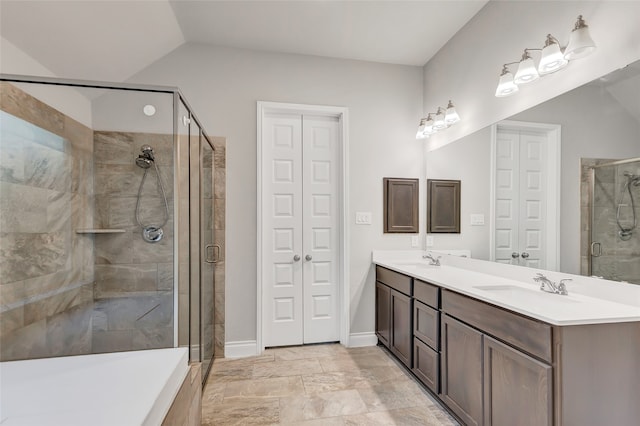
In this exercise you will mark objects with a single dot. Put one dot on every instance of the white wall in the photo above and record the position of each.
(68, 101)
(594, 125)
(385, 104)
(467, 68)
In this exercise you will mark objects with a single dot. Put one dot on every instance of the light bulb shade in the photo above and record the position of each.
(552, 59)
(439, 123)
(420, 134)
(506, 86)
(580, 44)
(526, 72)
(451, 116)
(428, 126)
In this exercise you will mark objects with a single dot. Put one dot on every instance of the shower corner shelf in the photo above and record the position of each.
(100, 231)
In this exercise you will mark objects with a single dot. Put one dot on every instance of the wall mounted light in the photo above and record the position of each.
(442, 119)
(552, 58)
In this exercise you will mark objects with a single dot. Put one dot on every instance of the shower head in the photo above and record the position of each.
(144, 162)
(632, 179)
(146, 159)
(147, 151)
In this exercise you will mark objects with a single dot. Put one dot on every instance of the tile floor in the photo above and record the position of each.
(317, 385)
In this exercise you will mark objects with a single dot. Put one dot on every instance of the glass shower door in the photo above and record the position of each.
(615, 211)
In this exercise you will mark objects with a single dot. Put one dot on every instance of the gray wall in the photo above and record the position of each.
(385, 104)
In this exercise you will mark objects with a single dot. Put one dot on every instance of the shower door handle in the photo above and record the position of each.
(594, 252)
(216, 253)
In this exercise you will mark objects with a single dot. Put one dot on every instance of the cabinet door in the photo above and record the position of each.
(425, 364)
(517, 388)
(383, 313)
(425, 324)
(401, 330)
(461, 372)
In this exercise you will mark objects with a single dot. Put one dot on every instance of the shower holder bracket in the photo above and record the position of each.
(152, 234)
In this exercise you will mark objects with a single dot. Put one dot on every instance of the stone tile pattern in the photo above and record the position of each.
(620, 260)
(133, 290)
(317, 385)
(46, 269)
(218, 222)
(186, 409)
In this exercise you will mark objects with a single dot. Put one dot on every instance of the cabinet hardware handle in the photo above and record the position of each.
(308, 257)
(296, 258)
(525, 254)
(515, 255)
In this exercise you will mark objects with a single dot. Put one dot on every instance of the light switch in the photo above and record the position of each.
(363, 218)
(477, 219)
(429, 240)
(415, 241)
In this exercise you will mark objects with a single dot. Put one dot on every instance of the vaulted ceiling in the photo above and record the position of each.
(112, 40)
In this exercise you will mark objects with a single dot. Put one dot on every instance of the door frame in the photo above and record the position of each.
(553, 162)
(342, 114)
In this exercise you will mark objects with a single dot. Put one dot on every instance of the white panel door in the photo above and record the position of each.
(320, 234)
(520, 197)
(300, 229)
(532, 199)
(507, 197)
(282, 231)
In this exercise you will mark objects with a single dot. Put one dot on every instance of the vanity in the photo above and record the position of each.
(496, 350)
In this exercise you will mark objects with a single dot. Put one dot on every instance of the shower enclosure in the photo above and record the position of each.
(614, 199)
(106, 220)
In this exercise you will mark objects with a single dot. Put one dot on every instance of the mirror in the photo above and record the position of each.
(594, 124)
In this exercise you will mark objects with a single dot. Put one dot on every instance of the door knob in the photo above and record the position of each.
(525, 254)
(296, 258)
(515, 255)
(308, 257)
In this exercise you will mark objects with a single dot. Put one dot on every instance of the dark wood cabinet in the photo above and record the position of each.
(401, 330)
(494, 367)
(461, 370)
(517, 388)
(383, 314)
(401, 202)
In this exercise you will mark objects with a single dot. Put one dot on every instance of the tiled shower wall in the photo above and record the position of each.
(46, 268)
(620, 259)
(133, 279)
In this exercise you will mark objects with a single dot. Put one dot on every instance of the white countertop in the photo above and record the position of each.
(515, 295)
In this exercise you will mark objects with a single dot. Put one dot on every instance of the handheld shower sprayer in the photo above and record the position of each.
(150, 233)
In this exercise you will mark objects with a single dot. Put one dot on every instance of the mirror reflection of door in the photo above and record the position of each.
(523, 189)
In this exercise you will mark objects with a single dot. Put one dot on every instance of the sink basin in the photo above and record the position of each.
(516, 293)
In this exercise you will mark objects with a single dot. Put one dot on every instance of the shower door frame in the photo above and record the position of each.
(591, 210)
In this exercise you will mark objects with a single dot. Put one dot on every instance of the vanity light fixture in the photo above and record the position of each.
(442, 119)
(552, 58)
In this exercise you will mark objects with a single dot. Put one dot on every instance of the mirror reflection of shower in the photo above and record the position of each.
(626, 229)
(151, 233)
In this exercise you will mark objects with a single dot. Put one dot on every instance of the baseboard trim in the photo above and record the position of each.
(241, 349)
(358, 340)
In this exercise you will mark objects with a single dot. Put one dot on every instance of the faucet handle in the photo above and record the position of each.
(562, 288)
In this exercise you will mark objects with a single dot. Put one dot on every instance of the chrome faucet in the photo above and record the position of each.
(550, 287)
(432, 260)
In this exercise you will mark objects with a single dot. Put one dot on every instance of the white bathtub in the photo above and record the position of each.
(114, 389)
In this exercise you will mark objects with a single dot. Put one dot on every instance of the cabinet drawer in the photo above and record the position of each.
(396, 281)
(527, 334)
(426, 293)
(426, 365)
(426, 324)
